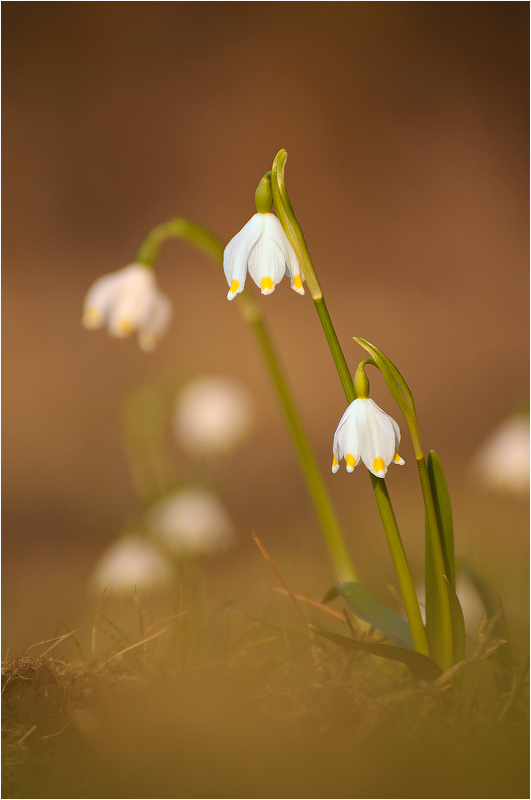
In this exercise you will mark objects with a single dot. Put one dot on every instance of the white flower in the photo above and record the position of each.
(129, 300)
(191, 522)
(502, 463)
(263, 248)
(212, 415)
(129, 562)
(366, 432)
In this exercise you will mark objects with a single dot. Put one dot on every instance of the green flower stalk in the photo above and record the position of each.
(444, 619)
(366, 433)
(294, 233)
(197, 235)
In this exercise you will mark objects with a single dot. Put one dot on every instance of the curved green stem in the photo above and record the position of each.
(195, 234)
(398, 555)
(439, 624)
(294, 233)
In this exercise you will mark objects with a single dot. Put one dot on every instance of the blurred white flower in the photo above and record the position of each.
(129, 300)
(502, 463)
(366, 433)
(191, 522)
(130, 561)
(212, 415)
(263, 248)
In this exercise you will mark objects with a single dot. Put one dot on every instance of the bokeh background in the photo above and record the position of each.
(406, 126)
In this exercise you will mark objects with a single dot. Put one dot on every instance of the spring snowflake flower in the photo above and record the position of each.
(191, 522)
(212, 415)
(366, 433)
(263, 249)
(502, 463)
(131, 561)
(129, 300)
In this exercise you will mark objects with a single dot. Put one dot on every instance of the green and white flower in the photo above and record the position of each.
(366, 433)
(129, 300)
(262, 249)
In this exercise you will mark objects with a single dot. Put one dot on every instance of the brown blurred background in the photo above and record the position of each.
(406, 126)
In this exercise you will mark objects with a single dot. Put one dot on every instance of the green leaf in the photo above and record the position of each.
(443, 511)
(371, 610)
(420, 665)
(458, 626)
(396, 383)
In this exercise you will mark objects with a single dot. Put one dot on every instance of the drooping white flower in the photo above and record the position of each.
(366, 433)
(127, 300)
(502, 463)
(212, 415)
(263, 249)
(191, 522)
(131, 561)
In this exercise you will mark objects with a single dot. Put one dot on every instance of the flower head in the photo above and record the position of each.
(263, 249)
(502, 463)
(128, 300)
(131, 561)
(212, 415)
(366, 433)
(191, 522)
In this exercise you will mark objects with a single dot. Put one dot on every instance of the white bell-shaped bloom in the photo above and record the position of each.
(502, 463)
(263, 249)
(366, 433)
(212, 415)
(191, 522)
(131, 561)
(129, 300)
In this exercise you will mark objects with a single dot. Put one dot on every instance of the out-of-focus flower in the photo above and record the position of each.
(366, 433)
(212, 415)
(502, 463)
(131, 561)
(129, 300)
(191, 522)
(263, 249)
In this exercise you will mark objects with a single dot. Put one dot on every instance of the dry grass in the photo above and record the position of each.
(272, 713)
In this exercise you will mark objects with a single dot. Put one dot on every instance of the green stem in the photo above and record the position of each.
(398, 555)
(179, 228)
(294, 233)
(192, 232)
(335, 348)
(307, 461)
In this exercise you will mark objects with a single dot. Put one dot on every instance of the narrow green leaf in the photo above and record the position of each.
(435, 618)
(458, 626)
(443, 511)
(371, 610)
(396, 383)
(420, 665)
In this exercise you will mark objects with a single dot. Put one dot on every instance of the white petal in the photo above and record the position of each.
(266, 261)
(133, 303)
(292, 266)
(376, 436)
(156, 322)
(238, 250)
(346, 437)
(100, 298)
